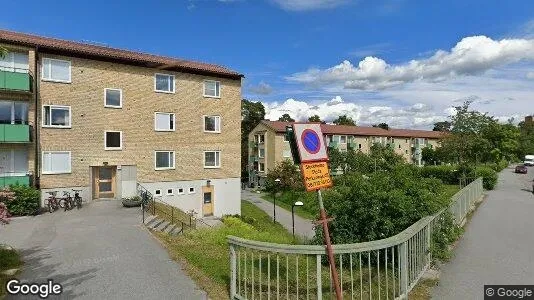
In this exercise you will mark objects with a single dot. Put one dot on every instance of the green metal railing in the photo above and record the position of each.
(334, 145)
(14, 133)
(15, 81)
(7, 180)
(382, 269)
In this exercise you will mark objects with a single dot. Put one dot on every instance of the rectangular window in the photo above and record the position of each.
(14, 62)
(256, 139)
(212, 88)
(286, 138)
(113, 140)
(261, 167)
(212, 159)
(343, 139)
(359, 146)
(56, 116)
(13, 112)
(262, 138)
(164, 121)
(164, 83)
(157, 193)
(287, 153)
(212, 124)
(170, 192)
(181, 191)
(113, 98)
(192, 190)
(261, 153)
(399, 146)
(164, 160)
(56, 162)
(406, 151)
(56, 70)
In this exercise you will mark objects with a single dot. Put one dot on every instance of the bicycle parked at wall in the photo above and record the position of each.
(66, 202)
(52, 202)
(77, 198)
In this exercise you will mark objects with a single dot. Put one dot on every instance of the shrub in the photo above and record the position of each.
(447, 174)
(25, 202)
(444, 234)
(289, 175)
(489, 177)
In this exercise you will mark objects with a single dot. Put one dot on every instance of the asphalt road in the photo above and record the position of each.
(303, 227)
(99, 252)
(498, 245)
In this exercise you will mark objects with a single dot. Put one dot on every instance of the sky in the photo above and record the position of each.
(403, 62)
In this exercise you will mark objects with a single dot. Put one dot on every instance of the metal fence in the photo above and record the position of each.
(382, 269)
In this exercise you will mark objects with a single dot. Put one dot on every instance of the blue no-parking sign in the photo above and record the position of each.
(310, 142)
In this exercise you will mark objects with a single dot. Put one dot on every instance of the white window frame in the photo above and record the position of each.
(50, 121)
(261, 156)
(260, 170)
(171, 193)
(105, 98)
(165, 113)
(105, 141)
(165, 168)
(218, 96)
(57, 172)
(172, 91)
(182, 192)
(341, 137)
(192, 192)
(218, 123)
(157, 192)
(261, 138)
(49, 60)
(216, 166)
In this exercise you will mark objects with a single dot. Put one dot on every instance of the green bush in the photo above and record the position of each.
(447, 174)
(27, 200)
(489, 177)
(444, 234)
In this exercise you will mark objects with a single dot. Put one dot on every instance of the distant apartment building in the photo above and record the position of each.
(105, 120)
(268, 144)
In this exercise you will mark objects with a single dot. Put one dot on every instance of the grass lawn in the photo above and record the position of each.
(204, 253)
(451, 189)
(9, 259)
(173, 215)
(284, 200)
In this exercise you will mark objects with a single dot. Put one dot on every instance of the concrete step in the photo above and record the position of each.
(156, 223)
(169, 228)
(177, 230)
(150, 219)
(162, 226)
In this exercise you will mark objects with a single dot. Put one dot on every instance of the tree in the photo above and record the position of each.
(344, 120)
(252, 113)
(526, 139)
(382, 125)
(3, 52)
(289, 175)
(442, 126)
(286, 118)
(316, 119)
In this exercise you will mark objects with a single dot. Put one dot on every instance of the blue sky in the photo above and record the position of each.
(309, 56)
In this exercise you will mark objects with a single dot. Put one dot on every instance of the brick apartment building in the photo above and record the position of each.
(268, 145)
(75, 115)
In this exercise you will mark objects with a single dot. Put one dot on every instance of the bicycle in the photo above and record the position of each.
(52, 202)
(66, 202)
(77, 198)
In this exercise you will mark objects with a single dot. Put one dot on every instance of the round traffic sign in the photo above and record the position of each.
(311, 141)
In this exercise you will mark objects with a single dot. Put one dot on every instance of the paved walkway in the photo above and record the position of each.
(498, 245)
(303, 227)
(98, 252)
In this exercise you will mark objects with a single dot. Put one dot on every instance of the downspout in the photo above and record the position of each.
(37, 180)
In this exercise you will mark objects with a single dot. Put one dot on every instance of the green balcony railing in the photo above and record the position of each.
(12, 180)
(334, 145)
(15, 81)
(14, 133)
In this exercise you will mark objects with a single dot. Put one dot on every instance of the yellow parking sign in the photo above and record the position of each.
(316, 175)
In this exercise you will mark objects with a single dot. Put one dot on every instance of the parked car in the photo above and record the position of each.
(529, 160)
(521, 169)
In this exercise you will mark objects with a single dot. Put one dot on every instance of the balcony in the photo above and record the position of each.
(12, 180)
(14, 133)
(352, 145)
(333, 145)
(253, 158)
(15, 81)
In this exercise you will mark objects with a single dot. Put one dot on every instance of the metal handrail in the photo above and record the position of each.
(406, 256)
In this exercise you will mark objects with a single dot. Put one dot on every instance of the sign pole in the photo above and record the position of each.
(328, 243)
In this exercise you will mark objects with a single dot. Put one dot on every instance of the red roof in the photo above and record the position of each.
(280, 127)
(77, 49)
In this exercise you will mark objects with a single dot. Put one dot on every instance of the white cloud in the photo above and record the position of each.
(530, 75)
(306, 5)
(262, 88)
(301, 111)
(472, 55)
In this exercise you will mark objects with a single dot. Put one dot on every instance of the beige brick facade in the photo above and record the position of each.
(90, 119)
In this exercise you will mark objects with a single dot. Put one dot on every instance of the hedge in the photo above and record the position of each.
(26, 202)
(489, 177)
(451, 174)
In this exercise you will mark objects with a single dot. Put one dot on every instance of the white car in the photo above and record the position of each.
(529, 160)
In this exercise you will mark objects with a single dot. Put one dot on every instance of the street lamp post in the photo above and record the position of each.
(298, 203)
(277, 182)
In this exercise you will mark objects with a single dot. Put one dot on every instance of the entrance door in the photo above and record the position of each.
(104, 182)
(207, 206)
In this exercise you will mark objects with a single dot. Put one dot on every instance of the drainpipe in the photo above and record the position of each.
(36, 175)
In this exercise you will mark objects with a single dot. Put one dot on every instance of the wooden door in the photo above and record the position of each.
(104, 182)
(207, 205)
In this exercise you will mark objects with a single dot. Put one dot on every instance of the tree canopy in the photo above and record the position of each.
(286, 118)
(315, 118)
(3, 52)
(382, 125)
(344, 120)
(442, 126)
